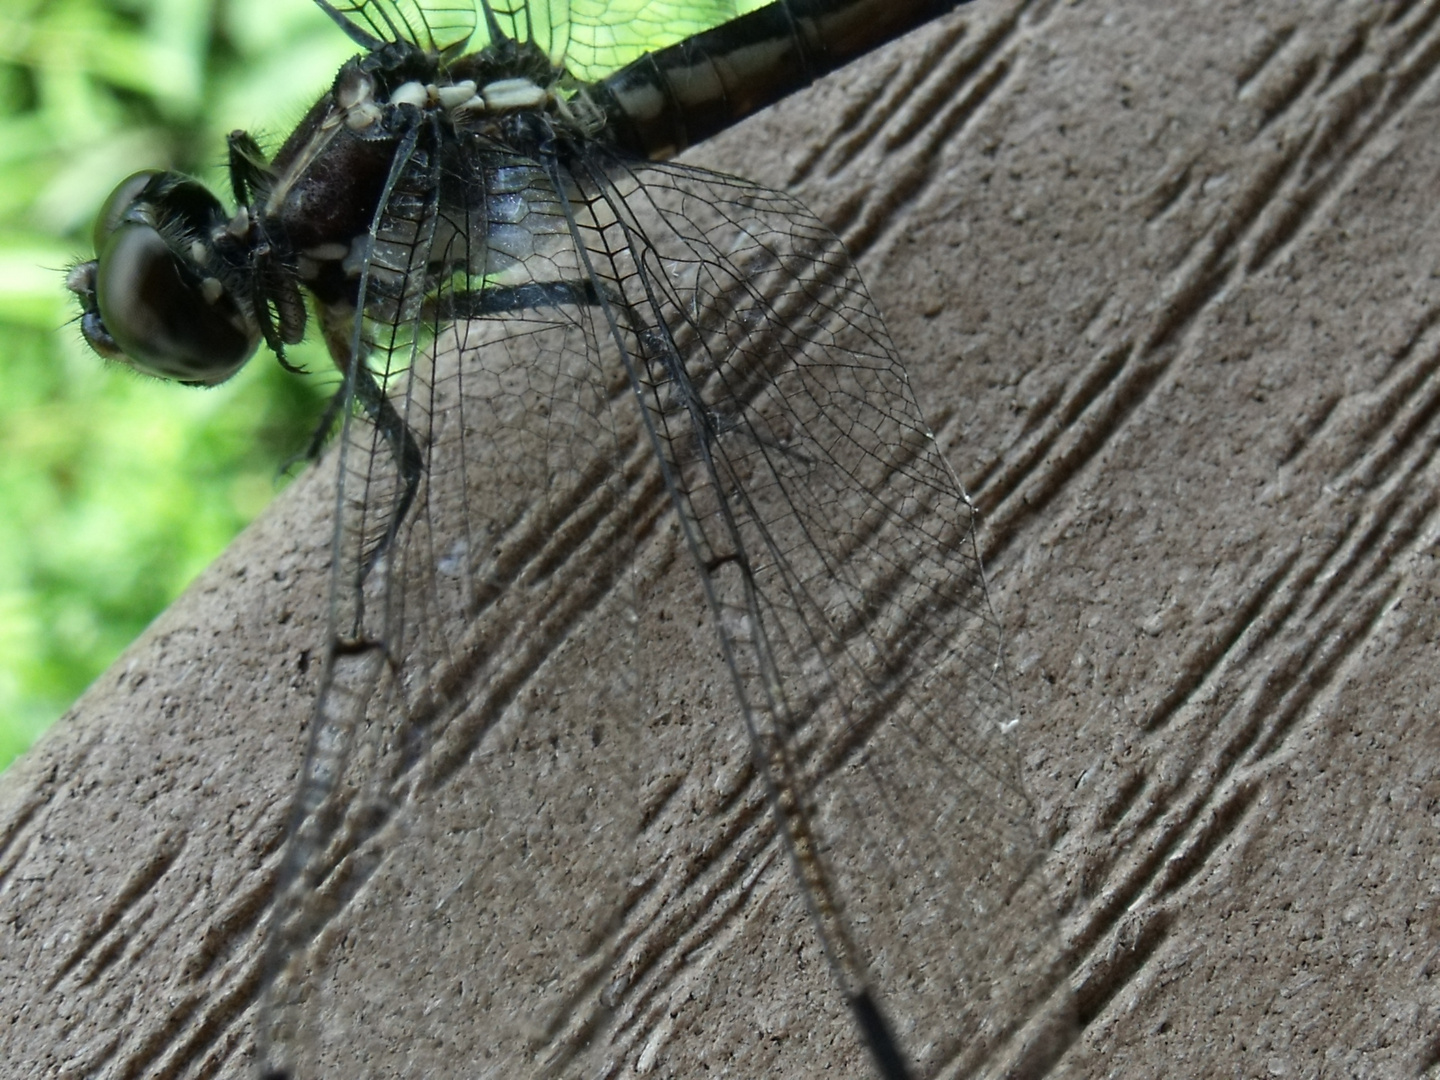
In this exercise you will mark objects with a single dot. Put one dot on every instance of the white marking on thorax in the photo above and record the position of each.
(502, 95)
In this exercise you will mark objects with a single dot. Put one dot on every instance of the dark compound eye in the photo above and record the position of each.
(118, 204)
(147, 302)
(167, 319)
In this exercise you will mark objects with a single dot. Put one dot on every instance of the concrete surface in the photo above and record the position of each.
(1165, 277)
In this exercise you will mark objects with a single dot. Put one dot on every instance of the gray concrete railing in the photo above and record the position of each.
(1165, 280)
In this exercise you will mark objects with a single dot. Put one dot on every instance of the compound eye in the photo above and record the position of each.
(119, 203)
(167, 320)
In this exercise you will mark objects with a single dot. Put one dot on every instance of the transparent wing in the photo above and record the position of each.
(675, 636)
(364, 744)
(836, 548)
(589, 38)
(593, 38)
(437, 26)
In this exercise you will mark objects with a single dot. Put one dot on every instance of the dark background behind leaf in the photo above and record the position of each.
(116, 490)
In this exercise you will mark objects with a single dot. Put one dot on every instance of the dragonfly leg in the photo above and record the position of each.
(409, 458)
(337, 326)
(250, 172)
(274, 285)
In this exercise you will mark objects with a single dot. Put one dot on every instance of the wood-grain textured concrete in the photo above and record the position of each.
(1167, 279)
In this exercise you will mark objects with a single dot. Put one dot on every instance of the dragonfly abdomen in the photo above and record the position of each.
(676, 97)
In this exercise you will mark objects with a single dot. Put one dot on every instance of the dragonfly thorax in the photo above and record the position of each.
(503, 78)
(182, 290)
(463, 102)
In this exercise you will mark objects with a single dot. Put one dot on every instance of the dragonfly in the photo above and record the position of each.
(560, 349)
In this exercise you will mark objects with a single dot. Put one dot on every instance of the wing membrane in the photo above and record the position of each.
(667, 371)
(437, 26)
(593, 38)
(841, 572)
(590, 38)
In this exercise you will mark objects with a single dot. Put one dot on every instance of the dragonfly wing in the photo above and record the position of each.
(590, 38)
(840, 567)
(472, 798)
(593, 38)
(655, 416)
(436, 26)
(360, 750)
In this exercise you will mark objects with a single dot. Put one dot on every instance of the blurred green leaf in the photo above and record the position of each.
(116, 490)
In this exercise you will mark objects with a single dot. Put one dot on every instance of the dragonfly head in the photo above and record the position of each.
(156, 296)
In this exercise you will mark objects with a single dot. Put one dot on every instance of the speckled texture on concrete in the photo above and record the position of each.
(1165, 277)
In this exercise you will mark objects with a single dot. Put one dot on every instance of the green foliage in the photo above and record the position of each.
(116, 490)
